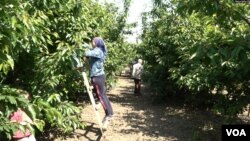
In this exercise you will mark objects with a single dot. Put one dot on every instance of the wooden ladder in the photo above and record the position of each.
(94, 105)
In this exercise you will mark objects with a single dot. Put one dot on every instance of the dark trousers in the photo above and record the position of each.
(137, 86)
(100, 89)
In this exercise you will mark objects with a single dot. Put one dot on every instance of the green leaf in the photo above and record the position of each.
(32, 111)
(193, 56)
(10, 61)
(12, 100)
(13, 22)
(39, 124)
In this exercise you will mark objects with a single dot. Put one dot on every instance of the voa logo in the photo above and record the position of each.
(236, 132)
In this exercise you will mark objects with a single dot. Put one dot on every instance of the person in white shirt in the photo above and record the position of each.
(136, 75)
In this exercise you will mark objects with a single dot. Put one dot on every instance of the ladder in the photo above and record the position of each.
(91, 97)
(79, 66)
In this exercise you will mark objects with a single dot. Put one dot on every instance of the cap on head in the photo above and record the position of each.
(24, 93)
(140, 61)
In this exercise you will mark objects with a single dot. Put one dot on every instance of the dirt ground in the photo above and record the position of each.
(137, 119)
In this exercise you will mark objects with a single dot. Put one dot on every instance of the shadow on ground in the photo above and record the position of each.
(170, 121)
(143, 120)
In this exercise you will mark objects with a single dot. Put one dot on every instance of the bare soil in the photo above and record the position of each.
(137, 119)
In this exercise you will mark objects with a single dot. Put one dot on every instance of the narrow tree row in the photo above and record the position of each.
(199, 50)
(39, 41)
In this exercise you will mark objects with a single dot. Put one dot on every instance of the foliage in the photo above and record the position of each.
(200, 49)
(39, 40)
(10, 99)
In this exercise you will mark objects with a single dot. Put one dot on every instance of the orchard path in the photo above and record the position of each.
(137, 119)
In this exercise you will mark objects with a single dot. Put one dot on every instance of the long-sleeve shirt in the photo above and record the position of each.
(96, 61)
(137, 71)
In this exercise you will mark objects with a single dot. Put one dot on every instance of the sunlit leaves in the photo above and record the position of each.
(200, 45)
(38, 41)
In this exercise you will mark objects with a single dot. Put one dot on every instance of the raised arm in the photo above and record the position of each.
(94, 53)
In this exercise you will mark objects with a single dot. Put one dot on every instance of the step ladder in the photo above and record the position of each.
(79, 66)
(91, 97)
